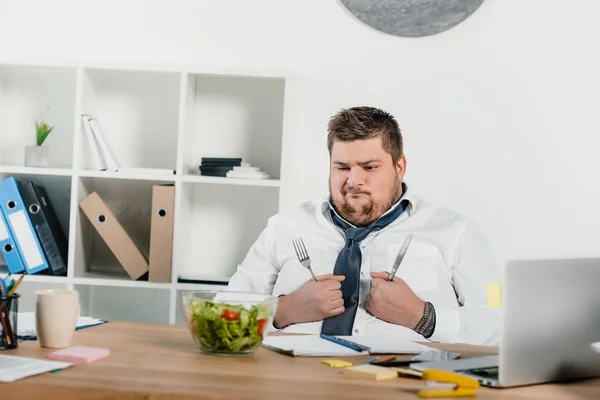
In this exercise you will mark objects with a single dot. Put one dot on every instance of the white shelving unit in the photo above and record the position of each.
(153, 117)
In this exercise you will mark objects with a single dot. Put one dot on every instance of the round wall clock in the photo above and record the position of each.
(412, 18)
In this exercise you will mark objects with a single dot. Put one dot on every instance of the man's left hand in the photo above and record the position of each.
(394, 301)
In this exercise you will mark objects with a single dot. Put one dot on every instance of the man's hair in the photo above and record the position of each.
(360, 123)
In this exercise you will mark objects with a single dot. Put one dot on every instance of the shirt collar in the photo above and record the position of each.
(327, 205)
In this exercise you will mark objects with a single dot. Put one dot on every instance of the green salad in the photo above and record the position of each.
(228, 328)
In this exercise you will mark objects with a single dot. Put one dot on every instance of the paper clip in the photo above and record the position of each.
(463, 386)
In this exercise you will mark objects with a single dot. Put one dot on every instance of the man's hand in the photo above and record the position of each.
(394, 301)
(313, 301)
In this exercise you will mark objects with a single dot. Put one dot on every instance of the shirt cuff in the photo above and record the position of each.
(447, 324)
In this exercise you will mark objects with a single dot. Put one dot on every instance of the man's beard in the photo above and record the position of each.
(367, 212)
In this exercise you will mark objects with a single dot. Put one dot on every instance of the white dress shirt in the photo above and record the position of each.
(448, 264)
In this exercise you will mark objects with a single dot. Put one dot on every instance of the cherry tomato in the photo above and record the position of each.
(229, 315)
(262, 324)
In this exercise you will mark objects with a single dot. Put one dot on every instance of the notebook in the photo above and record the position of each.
(26, 325)
(314, 345)
(13, 368)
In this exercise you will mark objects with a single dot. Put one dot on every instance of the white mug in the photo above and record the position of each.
(56, 315)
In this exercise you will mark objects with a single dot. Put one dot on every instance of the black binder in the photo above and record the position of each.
(51, 236)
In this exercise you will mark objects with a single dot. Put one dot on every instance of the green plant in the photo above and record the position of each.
(42, 130)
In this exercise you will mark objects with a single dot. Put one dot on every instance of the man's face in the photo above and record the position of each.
(363, 181)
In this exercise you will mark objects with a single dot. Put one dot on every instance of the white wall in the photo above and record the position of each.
(497, 113)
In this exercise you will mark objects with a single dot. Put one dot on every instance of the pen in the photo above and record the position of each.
(377, 360)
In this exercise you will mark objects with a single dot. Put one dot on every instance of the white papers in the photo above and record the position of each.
(313, 345)
(15, 367)
(26, 323)
(247, 171)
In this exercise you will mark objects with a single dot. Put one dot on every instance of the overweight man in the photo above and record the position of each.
(354, 234)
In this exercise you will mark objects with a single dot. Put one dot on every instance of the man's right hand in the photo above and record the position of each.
(313, 301)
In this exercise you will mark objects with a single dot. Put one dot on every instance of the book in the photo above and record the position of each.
(110, 160)
(316, 346)
(98, 163)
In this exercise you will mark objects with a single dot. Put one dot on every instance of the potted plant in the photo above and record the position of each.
(37, 156)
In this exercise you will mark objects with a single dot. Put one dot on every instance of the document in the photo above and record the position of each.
(26, 324)
(15, 367)
(314, 345)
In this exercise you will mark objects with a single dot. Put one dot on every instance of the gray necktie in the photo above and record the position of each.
(348, 264)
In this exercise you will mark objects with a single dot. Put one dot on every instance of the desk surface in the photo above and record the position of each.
(152, 361)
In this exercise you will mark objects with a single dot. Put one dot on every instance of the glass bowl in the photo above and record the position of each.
(228, 322)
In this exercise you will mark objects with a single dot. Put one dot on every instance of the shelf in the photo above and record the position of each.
(205, 69)
(233, 117)
(155, 117)
(126, 175)
(99, 279)
(28, 93)
(137, 113)
(231, 181)
(34, 278)
(58, 190)
(115, 303)
(10, 169)
(130, 201)
(221, 224)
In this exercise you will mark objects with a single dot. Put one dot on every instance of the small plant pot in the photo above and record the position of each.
(36, 156)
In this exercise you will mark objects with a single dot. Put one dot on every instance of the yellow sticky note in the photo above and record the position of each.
(369, 371)
(494, 293)
(337, 363)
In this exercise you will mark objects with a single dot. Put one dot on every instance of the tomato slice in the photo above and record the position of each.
(230, 315)
(262, 324)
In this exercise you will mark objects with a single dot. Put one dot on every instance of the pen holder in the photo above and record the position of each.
(9, 307)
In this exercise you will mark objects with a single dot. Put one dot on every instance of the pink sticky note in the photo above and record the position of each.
(80, 354)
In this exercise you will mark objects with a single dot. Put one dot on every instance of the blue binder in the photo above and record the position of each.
(9, 250)
(21, 228)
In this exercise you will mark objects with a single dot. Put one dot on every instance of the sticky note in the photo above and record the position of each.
(337, 363)
(494, 294)
(370, 371)
(408, 372)
(79, 354)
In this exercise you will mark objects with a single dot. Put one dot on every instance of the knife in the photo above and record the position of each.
(400, 256)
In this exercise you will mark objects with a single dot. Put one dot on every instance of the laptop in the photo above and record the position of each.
(550, 318)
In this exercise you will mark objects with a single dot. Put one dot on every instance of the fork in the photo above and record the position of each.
(302, 255)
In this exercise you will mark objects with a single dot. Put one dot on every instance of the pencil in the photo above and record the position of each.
(16, 285)
(386, 359)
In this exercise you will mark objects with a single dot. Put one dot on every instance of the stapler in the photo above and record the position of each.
(461, 386)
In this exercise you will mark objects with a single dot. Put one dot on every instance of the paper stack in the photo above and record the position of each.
(247, 171)
(230, 168)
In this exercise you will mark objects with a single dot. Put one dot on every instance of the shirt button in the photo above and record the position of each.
(361, 305)
(356, 331)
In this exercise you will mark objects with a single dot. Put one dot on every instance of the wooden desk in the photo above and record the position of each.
(152, 361)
